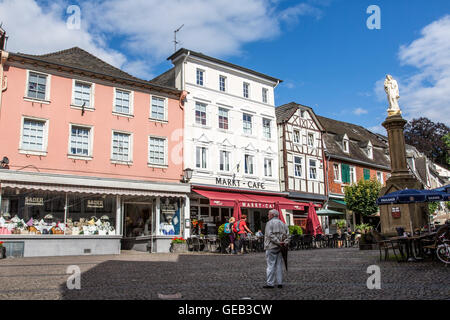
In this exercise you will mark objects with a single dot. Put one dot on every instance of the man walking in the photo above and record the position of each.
(276, 235)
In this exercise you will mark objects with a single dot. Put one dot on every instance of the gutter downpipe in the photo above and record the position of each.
(3, 57)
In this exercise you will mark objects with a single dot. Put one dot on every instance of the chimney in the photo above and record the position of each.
(3, 38)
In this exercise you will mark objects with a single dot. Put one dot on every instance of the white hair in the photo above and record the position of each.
(274, 212)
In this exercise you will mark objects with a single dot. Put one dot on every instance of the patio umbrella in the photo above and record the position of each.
(237, 211)
(403, 196)
(277, 207)
(312, 223)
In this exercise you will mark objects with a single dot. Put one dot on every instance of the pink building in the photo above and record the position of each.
(95, 157)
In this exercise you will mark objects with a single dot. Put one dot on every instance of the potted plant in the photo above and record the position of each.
(2, 250)
(178, 245)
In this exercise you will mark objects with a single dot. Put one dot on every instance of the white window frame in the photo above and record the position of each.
(264, 128)
(201, 158)
(244, 122)
(91, 95)
(90, 146)
(47, 87)
(206, 114)
(130, 148)
(268, 161)
(299, 140)
(346, 144)
(380, 177)
(218, 118)
(131, 102)
(298, 164)
(197, 79)
(246, 85)
(369, 150)
(253, 167)
(224, 164)
(166, 149)
(265, 95)
(224, 83)
(353, 178)
(166, 108)
(42, 152)
(339, 173)
(309, 134)
(313, 167)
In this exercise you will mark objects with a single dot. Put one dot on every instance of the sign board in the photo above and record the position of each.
(94, 204)
(34, 201)
(396, 213)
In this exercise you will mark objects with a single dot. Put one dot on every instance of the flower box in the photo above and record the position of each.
(178, 247)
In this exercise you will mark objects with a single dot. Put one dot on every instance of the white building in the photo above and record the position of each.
(230, 136)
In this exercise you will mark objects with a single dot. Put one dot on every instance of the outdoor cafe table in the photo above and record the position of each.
(412, 243)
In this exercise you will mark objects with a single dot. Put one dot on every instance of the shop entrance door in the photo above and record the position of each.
(138, 219)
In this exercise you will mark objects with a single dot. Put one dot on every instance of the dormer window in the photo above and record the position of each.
(345, 144)
(369, 150)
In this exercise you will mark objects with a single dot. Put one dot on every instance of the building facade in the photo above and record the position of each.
(230, 137)
(301, 158)
(95, 157)
(352, 153)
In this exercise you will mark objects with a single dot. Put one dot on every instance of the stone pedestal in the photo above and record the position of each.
(413, 215)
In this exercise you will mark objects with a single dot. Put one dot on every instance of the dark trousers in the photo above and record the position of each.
(243, 242)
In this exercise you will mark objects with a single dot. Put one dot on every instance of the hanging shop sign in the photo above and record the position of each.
(34, 201)
(396, 213)
(240, 183)
(94, 204)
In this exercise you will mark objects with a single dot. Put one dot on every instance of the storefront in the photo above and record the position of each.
(210, 207)
(52, 215)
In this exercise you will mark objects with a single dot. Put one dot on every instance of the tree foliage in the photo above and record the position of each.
(428, 138)
(433, 206)
(362, 197)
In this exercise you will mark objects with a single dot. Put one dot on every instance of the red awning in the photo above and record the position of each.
(228, 199)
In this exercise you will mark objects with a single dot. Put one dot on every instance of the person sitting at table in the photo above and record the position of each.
(259, 234)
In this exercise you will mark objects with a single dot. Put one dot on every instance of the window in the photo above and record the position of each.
(302, 113)
(366, 173)
(264, 95)
(310, 140)
(337, 172)
(266, 128)
(380, 177)
(33, 135)
(158, 108)
(268, 167)
(80, 141)
(222, 83)
(312, 169)
(200, 157)
(345, 145)
(246, 87)
(297, 166)
(247, 121)
(249, 164)
(121, 146)
(223, 118)
(370, 151)
(296, 136)
(37, 86)
(200, 113)
(157, 151)
(200, 77)
(224, 161)
(352, 175)
(82, 94)
(123, 102)
(345, 169)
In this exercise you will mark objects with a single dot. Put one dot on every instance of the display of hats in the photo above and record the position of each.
(30, 222)
(48, 216)
(91, 222)
(104, 217)
(94, 218)
(7, 215)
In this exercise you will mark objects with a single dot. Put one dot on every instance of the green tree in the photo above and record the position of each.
(446, 140)
(361, 198)
(432, 207)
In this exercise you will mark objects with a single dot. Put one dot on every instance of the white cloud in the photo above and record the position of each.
(378, 129)
(34, 30)
(426, 93)
(359, 111)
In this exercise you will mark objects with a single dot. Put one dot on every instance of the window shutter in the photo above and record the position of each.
(366, 174)
(345, 168)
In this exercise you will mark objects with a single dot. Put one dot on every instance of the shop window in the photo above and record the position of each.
(170, 222)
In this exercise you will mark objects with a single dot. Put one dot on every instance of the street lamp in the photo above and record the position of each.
(187, 175)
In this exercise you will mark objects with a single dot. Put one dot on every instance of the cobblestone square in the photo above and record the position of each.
(313, 274)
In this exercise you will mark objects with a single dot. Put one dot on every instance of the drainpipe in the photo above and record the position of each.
(3, 57)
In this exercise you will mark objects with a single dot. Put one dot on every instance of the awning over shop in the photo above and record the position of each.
(228, 199)
(328, 212)
(339, 201)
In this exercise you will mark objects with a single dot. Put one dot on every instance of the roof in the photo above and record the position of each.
(286, 111)
(166, 79)
(358, 140)
(183, 51)
(77, 58)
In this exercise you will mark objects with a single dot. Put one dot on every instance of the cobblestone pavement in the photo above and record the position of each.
(313, 274)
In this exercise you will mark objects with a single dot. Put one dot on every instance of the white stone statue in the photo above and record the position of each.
(391, 88)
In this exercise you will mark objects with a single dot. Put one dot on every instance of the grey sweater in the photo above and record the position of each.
(276, 232)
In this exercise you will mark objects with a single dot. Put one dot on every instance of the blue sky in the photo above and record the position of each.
(322, 49)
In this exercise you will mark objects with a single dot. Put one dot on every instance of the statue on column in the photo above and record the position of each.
(391, 88)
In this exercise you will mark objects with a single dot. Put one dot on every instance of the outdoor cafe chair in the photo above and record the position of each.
(197, 245)
(386, 245)
(189, 245)
(307, 241)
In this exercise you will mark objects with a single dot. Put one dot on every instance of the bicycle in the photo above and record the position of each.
(443, 251)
